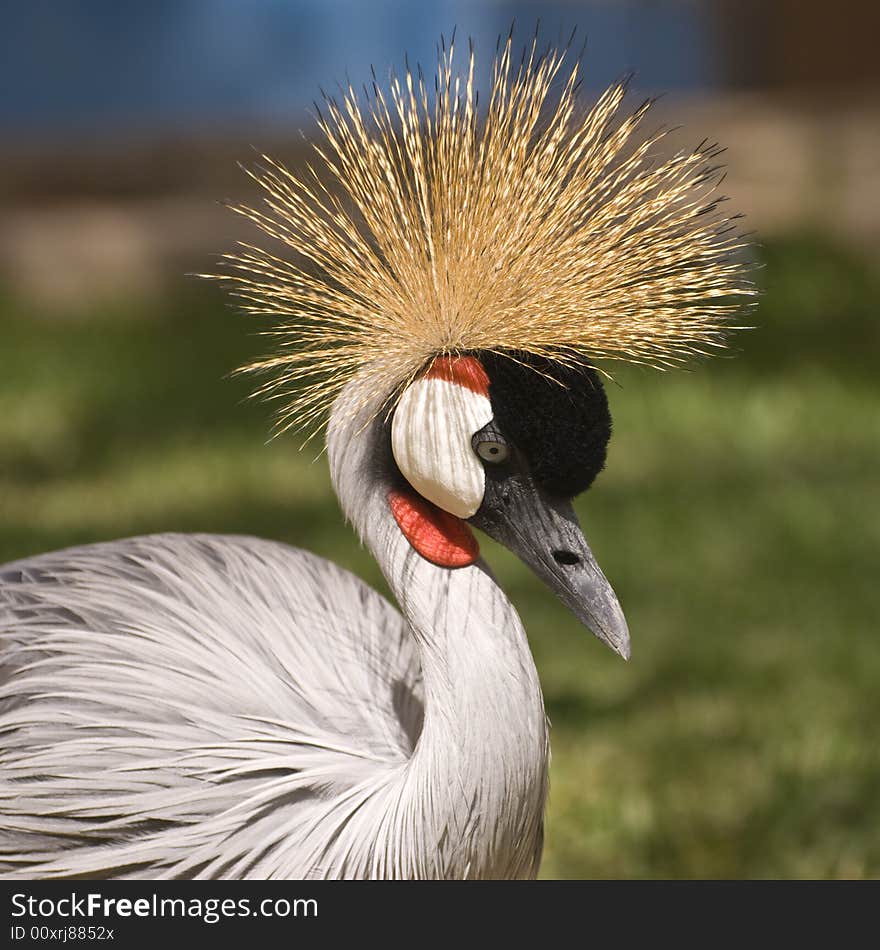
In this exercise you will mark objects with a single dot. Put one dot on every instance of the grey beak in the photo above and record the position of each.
(545, 534)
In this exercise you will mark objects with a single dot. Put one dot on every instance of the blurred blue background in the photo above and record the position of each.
(91, 65)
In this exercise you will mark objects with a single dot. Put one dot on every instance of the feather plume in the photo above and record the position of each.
(423, 227)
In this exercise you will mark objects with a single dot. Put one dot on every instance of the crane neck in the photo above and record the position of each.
(483, 752)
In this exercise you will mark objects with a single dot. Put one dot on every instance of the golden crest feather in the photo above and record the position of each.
(424, 228)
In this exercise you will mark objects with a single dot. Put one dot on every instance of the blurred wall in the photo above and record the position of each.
(806, 46)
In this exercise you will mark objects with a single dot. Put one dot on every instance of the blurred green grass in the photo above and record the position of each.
(738, 519)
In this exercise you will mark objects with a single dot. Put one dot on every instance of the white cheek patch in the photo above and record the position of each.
(431, 441)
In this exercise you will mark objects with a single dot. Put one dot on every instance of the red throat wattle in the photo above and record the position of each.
(438, 536)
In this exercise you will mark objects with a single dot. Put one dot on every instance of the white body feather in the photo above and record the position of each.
(225, 707)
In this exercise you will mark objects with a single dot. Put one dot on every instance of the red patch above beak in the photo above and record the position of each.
(438, 536)
(466, 371)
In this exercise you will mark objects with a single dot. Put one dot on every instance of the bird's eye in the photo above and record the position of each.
(490, 445)
(492, 451)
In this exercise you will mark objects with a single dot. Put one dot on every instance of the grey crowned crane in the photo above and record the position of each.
(445, 281)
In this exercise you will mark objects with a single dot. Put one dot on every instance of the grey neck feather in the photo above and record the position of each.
(477, 779)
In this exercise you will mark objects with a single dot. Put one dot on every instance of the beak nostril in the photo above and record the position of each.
(566, 557)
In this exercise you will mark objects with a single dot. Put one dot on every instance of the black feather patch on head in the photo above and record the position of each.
(557, 417)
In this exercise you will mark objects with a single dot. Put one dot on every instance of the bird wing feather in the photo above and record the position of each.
(162, 695)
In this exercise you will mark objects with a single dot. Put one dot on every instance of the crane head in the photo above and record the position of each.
(504, 442)
(462, 267)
